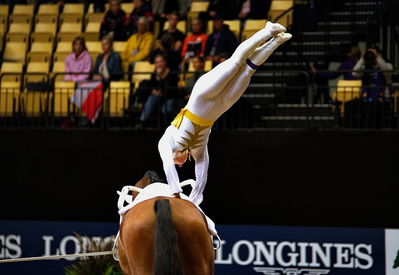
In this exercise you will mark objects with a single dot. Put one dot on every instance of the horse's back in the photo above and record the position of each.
(138, 231)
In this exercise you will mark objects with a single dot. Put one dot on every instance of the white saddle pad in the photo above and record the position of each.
(151, 191)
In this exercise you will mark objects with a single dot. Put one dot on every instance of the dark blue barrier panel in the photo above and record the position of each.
(276, 250)
(245, 249)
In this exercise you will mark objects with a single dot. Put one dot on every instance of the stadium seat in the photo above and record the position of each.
(71, 28)
(93, 27)
(47, 18)
(19, 28)
(42, 37)
(35, 102)
(73, 9)
(42, 47)
(347, 90)
(3, 28)
(22, 14)
(48, 9)
(71, 18)
(94, 17)
(94, 46)
(4, 10)
(181, 26)
(118, 99)
(252, 26)
(128, 7)
(11, 71)
(58, 67)
(9, 97)
(40, 51)
(64, 47)
(92, 31)
(119, 46)
(278, 7)
(207, 67)
(23, 9)
(60, 56)
(15, 51)
(18, 32)
(142, 70)
(67, 37)
(234, 26)
(38, 67)
(63, 90)
(199, 6)
(46, 28)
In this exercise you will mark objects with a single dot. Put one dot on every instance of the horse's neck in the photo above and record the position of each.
(143, 183)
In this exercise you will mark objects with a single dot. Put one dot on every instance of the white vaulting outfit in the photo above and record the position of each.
(213, 94)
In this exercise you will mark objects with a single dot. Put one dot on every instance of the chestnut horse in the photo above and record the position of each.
(164, 236)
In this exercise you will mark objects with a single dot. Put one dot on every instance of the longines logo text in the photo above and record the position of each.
(304, 258)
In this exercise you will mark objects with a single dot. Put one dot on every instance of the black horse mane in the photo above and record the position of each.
(153, 176)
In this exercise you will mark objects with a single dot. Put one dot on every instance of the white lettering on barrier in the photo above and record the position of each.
(64, 243)
(267, 253)
(219, 255)
(10, 246)
(365, 256)
(344, 255)
(300, 254)
(236, 255)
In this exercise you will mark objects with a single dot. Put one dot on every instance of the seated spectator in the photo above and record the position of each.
(370, 68)
(161, 8)
(194, 44)
(141, 9)
(345, 68)
(253, 9)
(166, 49)
(199, 70)
(108, 64)
(226, 8)
(139, 45)
(221, 43)
(163, 92)
(78, 61)
(115, 22)
(178, 36)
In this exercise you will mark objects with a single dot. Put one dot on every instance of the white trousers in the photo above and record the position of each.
(216, 91)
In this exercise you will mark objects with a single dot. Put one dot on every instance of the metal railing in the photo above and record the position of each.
(274, 99)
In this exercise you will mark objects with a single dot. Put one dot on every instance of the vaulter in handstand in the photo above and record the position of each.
(213, 94)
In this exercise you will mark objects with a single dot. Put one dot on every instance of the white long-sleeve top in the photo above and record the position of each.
(194, 138)
(360, 66)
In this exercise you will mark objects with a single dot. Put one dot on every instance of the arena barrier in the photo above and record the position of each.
(274, 99)
(245, 249)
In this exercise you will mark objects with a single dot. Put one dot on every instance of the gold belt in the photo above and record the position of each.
(194, 119)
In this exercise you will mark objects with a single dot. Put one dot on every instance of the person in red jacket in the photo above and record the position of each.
(194, 44)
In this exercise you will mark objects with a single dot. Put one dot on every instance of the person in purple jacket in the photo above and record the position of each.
(78, 61)
(345, 68)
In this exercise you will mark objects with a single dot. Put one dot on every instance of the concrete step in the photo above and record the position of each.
(296, 122)
(304, 110)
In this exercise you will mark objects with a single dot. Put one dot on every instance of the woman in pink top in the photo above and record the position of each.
(78, 61)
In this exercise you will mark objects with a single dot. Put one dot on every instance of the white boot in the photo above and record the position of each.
(262, 53)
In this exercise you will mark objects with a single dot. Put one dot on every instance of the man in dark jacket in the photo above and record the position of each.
(115, 22)
(221, 43)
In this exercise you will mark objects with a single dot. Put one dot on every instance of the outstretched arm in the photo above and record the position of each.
(166, 152)
(201, 174)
